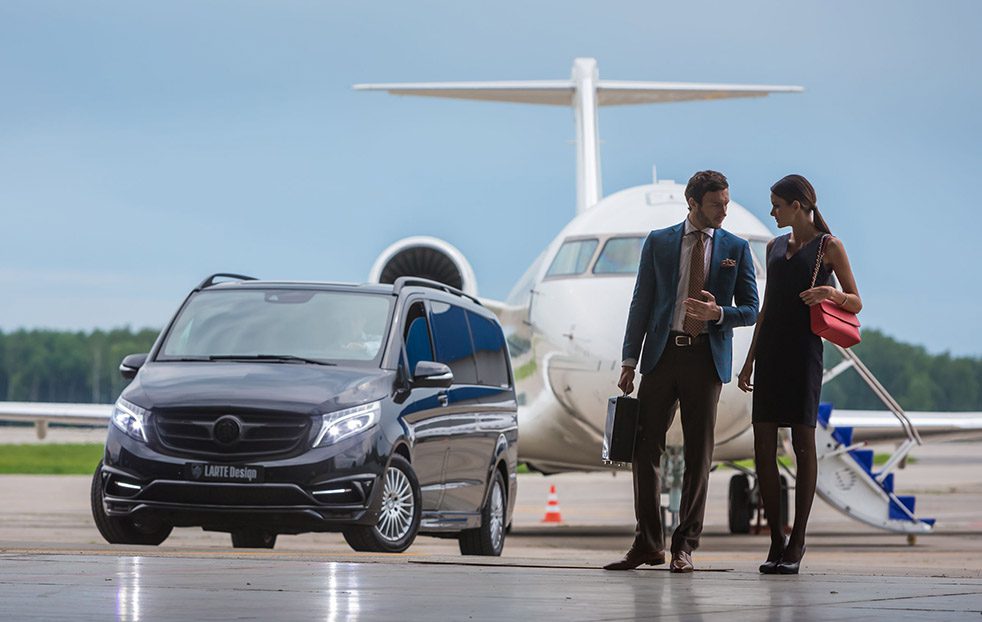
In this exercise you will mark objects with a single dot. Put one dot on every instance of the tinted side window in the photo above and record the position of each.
(489, 350)
(453, 341)
(417, 335)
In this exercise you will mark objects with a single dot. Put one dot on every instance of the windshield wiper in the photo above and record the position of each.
(287, 358)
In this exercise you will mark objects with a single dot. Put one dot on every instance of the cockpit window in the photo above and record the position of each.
(573, 257)
(619, 256)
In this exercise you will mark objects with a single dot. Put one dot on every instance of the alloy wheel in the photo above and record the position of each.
(497, 515)
(398, 507)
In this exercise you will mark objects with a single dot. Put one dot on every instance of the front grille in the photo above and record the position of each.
(225, 494)
(258, 434)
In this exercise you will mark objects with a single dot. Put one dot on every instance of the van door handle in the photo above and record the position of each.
(443, 399)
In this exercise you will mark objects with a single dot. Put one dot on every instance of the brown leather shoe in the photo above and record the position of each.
(681, 562)
(635, 558)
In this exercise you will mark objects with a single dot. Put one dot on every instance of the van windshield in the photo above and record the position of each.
(279, 325)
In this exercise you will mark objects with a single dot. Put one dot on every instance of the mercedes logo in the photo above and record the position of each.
(227, 430)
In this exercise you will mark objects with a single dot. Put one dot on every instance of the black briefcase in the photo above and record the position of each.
(621, 429)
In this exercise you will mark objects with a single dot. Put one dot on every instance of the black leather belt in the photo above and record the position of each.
(684, 340)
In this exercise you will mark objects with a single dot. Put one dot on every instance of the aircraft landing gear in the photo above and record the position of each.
(672, 467)
(744, 502)
(741, 503)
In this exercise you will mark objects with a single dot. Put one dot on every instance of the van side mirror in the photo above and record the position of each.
(431, 374)
(132, 364)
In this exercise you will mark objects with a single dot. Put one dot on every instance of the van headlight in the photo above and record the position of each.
(342, 424)
(130, 419)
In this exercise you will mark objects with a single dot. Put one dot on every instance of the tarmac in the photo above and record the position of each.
(54, 565)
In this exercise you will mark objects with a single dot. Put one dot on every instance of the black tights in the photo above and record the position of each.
(769, 481)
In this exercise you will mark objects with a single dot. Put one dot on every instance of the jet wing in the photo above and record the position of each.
(76, 414)
(507, 314)
(877, 425)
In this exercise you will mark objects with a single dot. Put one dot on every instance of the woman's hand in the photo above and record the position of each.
(815, 295)
(743, 379)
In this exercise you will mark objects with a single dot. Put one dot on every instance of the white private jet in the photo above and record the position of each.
(566, 316)
(565, 320)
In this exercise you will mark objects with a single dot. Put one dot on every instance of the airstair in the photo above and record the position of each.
(849, 481)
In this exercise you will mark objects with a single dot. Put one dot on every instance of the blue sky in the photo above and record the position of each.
(144, 145)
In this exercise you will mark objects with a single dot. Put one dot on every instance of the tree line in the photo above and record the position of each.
(60, 366)
(917, 379)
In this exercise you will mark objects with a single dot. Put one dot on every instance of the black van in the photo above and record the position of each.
(380, 411)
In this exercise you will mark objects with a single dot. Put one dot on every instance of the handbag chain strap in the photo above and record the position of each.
(821, 256)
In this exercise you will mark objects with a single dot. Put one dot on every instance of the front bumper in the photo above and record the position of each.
(322, 489)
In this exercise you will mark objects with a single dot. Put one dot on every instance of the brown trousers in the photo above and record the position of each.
(688, 376)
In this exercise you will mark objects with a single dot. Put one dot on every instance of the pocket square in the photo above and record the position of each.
(728, 263)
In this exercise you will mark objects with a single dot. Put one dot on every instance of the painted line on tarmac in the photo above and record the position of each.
(290, 555)
(520, 564)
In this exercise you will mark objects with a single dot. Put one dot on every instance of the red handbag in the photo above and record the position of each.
(829, 320)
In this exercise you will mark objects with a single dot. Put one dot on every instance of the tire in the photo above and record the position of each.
(119, 529)
(489, 538)
(252, 538)
(399, 516)
(740, 510)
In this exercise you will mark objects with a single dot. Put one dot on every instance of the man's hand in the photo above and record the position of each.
(705, 310)
(626, 383)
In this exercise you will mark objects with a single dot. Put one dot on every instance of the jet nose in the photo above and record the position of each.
(584, 316)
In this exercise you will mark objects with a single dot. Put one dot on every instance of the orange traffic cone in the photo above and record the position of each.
(552, 507)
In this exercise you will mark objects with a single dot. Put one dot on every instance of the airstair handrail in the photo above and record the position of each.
(881, 392)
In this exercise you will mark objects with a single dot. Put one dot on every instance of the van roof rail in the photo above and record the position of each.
(415, 281)
(211, 280)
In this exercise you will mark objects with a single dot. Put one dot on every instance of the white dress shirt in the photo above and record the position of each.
(685, 260)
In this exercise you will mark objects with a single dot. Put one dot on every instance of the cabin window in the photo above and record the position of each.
(619, 256)
(573, 257)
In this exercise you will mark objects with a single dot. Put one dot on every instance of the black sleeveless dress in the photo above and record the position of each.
(788, 366)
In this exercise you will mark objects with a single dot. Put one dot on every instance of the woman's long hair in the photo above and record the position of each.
(796, 188)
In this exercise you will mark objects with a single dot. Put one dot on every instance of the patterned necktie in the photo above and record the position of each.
(697, 282)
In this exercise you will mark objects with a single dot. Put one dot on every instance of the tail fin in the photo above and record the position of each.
(585, 92)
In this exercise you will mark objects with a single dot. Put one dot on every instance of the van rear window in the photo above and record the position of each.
(453, 341)
(489, 350)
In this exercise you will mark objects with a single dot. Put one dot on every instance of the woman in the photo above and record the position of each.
(788, 357)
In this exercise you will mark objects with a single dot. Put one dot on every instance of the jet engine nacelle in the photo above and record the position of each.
(428, 258)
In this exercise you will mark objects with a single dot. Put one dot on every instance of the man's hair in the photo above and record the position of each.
(703, 182)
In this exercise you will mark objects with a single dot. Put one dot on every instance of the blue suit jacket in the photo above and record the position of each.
(650, 318)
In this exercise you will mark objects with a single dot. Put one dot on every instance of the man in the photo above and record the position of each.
(689, 276)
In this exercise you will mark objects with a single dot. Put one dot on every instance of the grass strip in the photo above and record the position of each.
(878, 460)
(50, 458)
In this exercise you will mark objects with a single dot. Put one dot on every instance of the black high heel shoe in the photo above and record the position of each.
(785, 567)
(773, 559)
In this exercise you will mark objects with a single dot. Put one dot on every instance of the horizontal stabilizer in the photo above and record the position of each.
(561, 92)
